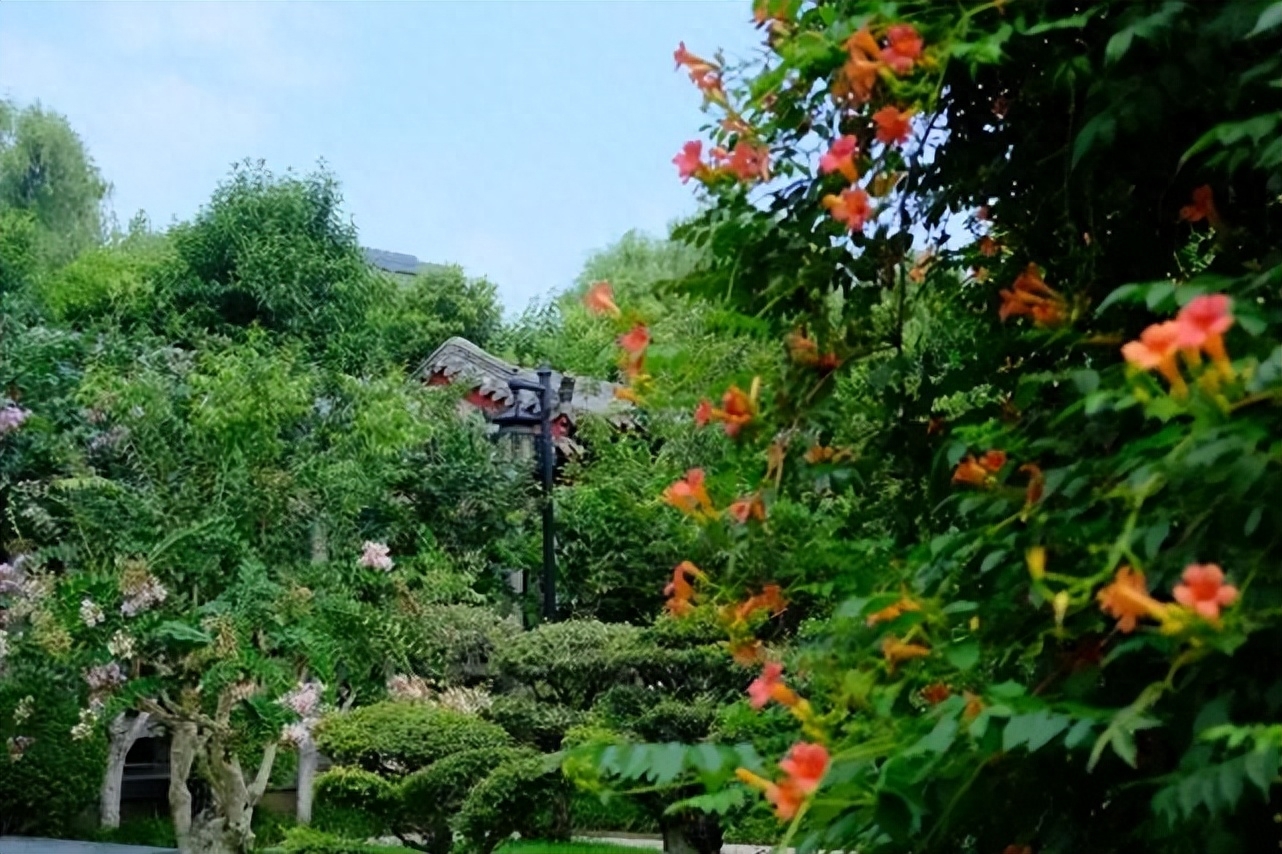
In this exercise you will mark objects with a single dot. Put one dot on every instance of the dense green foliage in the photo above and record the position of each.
(526, 796)
(1019, 465)
(202, 427)
(46, 785)
(430, 798)
(354, 803)
(986, 423)
(306, 840)
(542, 725)
(569, 662)
(400, 738)
(46, 173)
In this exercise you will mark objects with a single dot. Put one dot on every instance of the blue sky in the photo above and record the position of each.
(511, 137)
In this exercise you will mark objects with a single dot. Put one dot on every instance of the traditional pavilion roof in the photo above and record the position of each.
(459, 361)
(399, 263)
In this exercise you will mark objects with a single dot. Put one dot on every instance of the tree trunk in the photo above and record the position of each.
(123, 733)
(183, 743)
(208, 835)
(562, 824)
(308, 754)
(691, 833)
(319, 542)
(308, 759)
(234, 799)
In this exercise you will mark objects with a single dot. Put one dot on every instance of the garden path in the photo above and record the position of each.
(31, 845)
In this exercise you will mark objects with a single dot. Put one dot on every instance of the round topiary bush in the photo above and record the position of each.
(457, 643)
(527, 796)
(430, 797)
(528, 721)
(399, 737)
(570, 662)
(354, 803)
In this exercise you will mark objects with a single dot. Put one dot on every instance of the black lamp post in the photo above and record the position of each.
(547, 463)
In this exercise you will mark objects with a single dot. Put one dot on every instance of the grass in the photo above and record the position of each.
(538, 847)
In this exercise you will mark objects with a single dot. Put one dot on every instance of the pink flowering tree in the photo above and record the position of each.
(211, 607)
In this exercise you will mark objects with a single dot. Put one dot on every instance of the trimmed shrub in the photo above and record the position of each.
(429, 798)
(526, 796)
(541, 725)
(676, 720)
(618, 814)
(150, 831)
(307, 840)
(656, 716)
(458, 643)
(688, 670)
(570, 662)
(399, 738)
(354, 802)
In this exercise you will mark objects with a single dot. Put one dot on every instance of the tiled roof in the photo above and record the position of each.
(459, 358)
(392, 262)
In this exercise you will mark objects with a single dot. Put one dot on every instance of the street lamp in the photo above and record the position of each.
(547, 462)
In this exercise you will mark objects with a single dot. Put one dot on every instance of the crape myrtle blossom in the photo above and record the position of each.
(141, 589)
(121, 645)
(376, 556)
(90, 613)
(304, 701)
(11, 417)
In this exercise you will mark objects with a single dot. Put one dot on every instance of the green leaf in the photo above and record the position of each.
(1158, 293)
(940, 738)
(611, 761)
(961, 606)
(182, 633)
(1261, 766)
(1118, 45)
(1046, 728)
(667, 763)
(1096, 132)
(964, 655)
(1079, 733)
(637, 762)
(1253, 520)
(1190, 796)
(1125, 292)
(715, 802)
(749, 758)
(1016, 732)
(1269, 18)
(894, 816)
(1007, 690)
(991, 560)
(1226, 134)
(979, 726)
(1034, 730)
(1087, 381)
(807, 48)
(1229, 777)
(1155, 536)
(707, 757)
(1074, 22)
(1213, 714)
(1123, 743)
